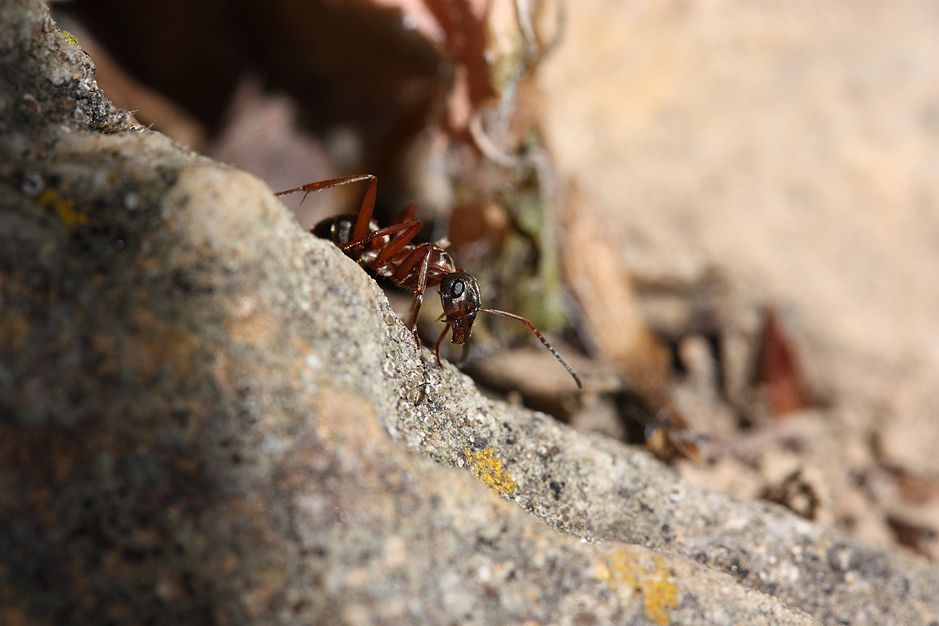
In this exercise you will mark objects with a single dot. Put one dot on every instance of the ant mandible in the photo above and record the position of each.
(389, 253)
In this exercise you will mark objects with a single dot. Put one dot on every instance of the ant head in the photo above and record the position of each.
(459, 295)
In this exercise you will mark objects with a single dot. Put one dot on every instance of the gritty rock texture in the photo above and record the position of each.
(47, 80)
(209, 416)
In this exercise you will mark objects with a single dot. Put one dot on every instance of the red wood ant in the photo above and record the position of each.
(388, 252)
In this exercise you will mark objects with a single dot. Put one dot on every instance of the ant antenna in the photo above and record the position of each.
(547, 345)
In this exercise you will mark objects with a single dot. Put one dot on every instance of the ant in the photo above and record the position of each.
(388, 252)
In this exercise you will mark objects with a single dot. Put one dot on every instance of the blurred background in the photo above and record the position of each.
(725, 214)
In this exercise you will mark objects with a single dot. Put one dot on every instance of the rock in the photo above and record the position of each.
(209, 416)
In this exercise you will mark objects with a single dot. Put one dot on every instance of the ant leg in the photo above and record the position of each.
(366, 210)
(326, 184)
(422, 254)
(404, 224)
(419, 295)
(437, 344)
(404, 229)
(368, 203)
(407, 215)
(397, 243)
(419, 256)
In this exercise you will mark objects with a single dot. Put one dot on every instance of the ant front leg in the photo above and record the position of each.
(419, 292)
(404, 274)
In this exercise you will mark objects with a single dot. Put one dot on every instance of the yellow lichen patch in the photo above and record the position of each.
(69, 37)
(65, 208)
(659, 593)
(488, 468)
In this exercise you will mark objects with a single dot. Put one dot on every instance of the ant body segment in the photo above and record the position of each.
(389, 253)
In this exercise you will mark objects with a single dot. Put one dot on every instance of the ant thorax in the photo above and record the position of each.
(439, 264)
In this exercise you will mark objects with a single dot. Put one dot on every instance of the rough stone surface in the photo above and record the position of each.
(209, 416)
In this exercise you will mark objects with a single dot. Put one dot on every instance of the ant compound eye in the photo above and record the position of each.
(459, 289)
